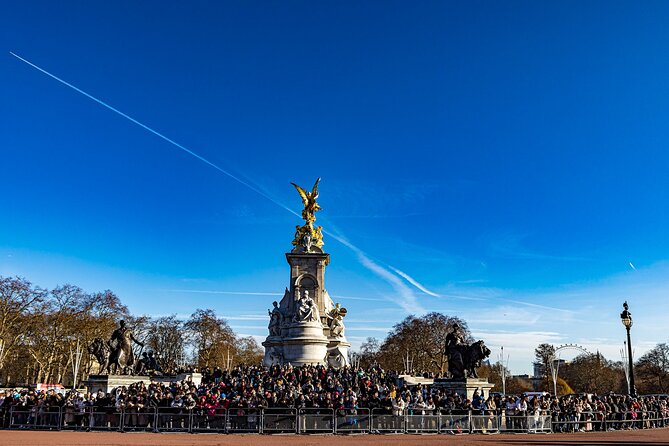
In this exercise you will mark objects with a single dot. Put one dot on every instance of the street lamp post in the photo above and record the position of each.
(626, 319)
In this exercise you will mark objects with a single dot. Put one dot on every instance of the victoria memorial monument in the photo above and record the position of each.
(306, 326)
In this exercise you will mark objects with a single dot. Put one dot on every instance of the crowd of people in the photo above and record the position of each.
(244, 392)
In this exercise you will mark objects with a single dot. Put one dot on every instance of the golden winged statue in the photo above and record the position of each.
(307, 237)
(309, 201)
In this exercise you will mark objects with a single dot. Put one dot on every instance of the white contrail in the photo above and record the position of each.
(414, 282)
(157, 133)
(409, 302)
(633, 267)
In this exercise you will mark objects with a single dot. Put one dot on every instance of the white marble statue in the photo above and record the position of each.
(307, 310)
(275, 319)
(335, 319)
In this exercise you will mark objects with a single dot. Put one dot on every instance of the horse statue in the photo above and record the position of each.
(100, 350)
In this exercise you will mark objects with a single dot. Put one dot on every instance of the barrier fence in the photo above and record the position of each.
(321, 420)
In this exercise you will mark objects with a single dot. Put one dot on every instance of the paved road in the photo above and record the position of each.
(654, 437)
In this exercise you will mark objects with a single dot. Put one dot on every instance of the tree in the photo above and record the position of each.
(421, 339)
(166, 338)
(517, 385)
(493, 372)
(18, 298)
(248, 351)
(369, 352)
(653, 370)
(563, 388)
(211, 336)
(592, 373)
(544, 354)
(54, 329)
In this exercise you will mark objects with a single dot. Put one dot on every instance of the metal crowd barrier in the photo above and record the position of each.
(422, 422)
(139, 419)
(385, 422)
(105, 419)
(321, 420)
(21, 418)
(454, 423)
(170, 419)
(244, 420)
(485, 424)
(316, 420)
(213, 421)
(352, 421)
(279, 420)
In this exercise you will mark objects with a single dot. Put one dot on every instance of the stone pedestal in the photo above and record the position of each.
(106, 383)
(465, 387)
(301, 342)
(194, 377)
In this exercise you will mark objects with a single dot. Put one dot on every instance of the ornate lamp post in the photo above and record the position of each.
(626, 319)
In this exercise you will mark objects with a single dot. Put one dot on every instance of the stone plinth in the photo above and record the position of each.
(307, 273)
(464, 387)
(106, 383)
(411, 380)
(294, 340)
(194, 377)
(304, 343)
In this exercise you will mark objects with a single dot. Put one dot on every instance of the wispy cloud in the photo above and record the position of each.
(234, 293)
(263, 293)
(249, 327)
(259, 317)
(371, 299)
(405, 297)
(545, 307)
(510, 246)
(379, 329)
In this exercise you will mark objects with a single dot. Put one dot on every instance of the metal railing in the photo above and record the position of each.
(422, 421)
(352, 421)
(316, 420)
(209, 420)
(322, 420)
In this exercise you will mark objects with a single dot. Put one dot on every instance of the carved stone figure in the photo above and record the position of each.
(307, 310)
(100, 350)
(121, 356)
(275, 319)
(335, 358)
(335, 320)
(274, 355)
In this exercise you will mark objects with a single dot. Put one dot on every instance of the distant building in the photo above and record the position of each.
(539, 367)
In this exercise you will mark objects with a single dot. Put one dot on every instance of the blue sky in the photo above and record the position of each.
(499, 161)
